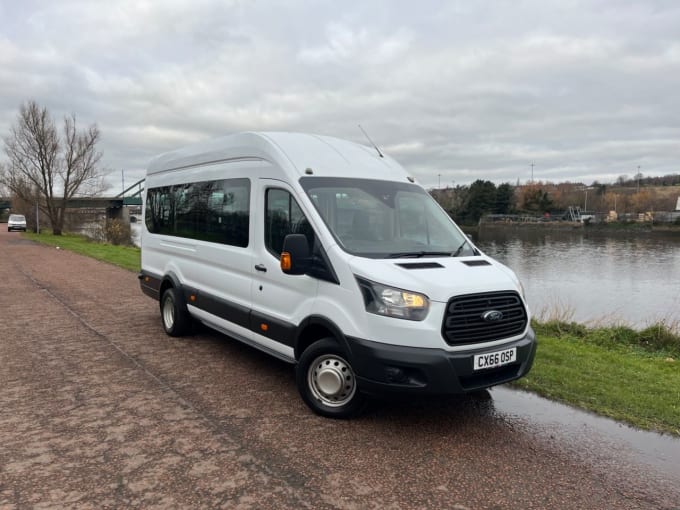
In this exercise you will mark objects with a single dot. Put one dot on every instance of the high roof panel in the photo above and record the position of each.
(293, 152)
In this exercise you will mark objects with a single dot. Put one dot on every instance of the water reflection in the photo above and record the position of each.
(503, 410)
(594, 434)
(600, 279)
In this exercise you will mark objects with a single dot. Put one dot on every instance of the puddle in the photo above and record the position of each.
(593, 434)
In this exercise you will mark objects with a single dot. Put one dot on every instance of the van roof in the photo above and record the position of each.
(294, 152)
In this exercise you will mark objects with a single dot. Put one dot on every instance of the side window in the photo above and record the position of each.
(283, 216)
(159, 214)
(228, 212)
(215, 211)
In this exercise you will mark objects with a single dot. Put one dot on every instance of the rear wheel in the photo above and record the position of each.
(326, 381)
(174, 315)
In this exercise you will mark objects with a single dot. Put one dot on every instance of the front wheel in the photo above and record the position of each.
(326, 381)
(174, 315)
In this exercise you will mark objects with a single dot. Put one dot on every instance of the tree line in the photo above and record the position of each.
(467, 204)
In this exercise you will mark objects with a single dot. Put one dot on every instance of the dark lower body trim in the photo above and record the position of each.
(384, 369)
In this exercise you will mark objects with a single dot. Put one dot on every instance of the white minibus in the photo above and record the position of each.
(328, 255)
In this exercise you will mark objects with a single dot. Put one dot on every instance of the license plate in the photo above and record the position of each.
(495, 359)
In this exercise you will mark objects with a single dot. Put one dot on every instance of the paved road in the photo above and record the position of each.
(99, 409)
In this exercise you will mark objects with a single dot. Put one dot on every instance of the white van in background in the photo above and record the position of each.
(327, 255)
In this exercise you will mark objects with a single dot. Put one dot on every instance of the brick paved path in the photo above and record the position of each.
(99, 409)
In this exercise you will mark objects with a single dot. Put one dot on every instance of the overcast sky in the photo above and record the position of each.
(454, 90)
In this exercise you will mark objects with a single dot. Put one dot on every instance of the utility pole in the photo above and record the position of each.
(439, 185)
(122, 174)
(638, 179)
(585, 205)
(532, 172)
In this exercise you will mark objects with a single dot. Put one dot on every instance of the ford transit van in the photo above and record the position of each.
(328, 255)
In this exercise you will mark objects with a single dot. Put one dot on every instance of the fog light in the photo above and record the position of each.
(395, 375)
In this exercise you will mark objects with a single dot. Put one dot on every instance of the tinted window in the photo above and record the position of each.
(215, 211)
(283, 216)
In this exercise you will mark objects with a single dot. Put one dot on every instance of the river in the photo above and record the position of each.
(593, 279)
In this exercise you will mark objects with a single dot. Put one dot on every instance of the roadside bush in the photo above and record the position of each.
(655, 338)
(613, 336)
(659, 337)
(118, 233)
(560, 328)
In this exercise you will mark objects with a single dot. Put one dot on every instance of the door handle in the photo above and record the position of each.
(261, 267)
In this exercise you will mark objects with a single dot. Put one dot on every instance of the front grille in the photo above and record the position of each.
(464, 321)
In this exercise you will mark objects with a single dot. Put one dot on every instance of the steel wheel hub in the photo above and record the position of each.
(168, 313)
(331, 380)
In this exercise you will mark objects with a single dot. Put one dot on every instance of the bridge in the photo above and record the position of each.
(111, 204)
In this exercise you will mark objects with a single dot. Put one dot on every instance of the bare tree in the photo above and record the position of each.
(52, 167)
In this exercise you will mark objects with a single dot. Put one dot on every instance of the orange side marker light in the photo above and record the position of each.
(286, 261)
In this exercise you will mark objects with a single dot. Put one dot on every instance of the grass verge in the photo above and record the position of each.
(628, 375)
(127, 257)
(631, 376)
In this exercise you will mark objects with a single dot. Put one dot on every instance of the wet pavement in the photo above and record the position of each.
(100, 409)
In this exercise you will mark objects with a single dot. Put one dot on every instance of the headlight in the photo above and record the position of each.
(391, 302)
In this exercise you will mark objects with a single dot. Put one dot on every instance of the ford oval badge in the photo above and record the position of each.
(492, 316)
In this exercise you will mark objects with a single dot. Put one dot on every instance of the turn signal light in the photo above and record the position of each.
(286, 261)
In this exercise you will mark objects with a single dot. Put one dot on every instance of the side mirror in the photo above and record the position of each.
(295, 255)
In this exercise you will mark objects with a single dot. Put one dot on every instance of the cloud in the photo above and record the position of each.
(465, 90)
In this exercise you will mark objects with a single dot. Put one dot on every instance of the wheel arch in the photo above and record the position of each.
(169, 280)
(315, 328)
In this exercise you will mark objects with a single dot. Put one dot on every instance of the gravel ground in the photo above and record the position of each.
(100, 409)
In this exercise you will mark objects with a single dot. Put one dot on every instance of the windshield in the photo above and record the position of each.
(17, 217)
(385, 219)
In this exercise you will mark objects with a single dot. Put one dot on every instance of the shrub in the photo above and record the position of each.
(118, 233)
(659, 337)
(560, 328)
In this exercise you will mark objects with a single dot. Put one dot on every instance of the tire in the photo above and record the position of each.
(174, 315)
(326, 381)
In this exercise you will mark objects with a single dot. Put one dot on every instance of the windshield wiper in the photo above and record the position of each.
(418, 254)
(460, 248)
(462, 245)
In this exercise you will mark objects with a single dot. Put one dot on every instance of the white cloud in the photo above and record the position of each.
(460, 89)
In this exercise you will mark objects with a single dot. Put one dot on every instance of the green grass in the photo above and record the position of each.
(616, 372)
(127, 257)
(628, 375)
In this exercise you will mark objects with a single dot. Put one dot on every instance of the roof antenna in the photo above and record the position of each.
(369, 139)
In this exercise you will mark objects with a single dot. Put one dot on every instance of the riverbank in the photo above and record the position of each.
(629, 375)
(613, 229)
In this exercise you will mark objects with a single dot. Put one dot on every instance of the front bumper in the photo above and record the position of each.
(383, 369)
